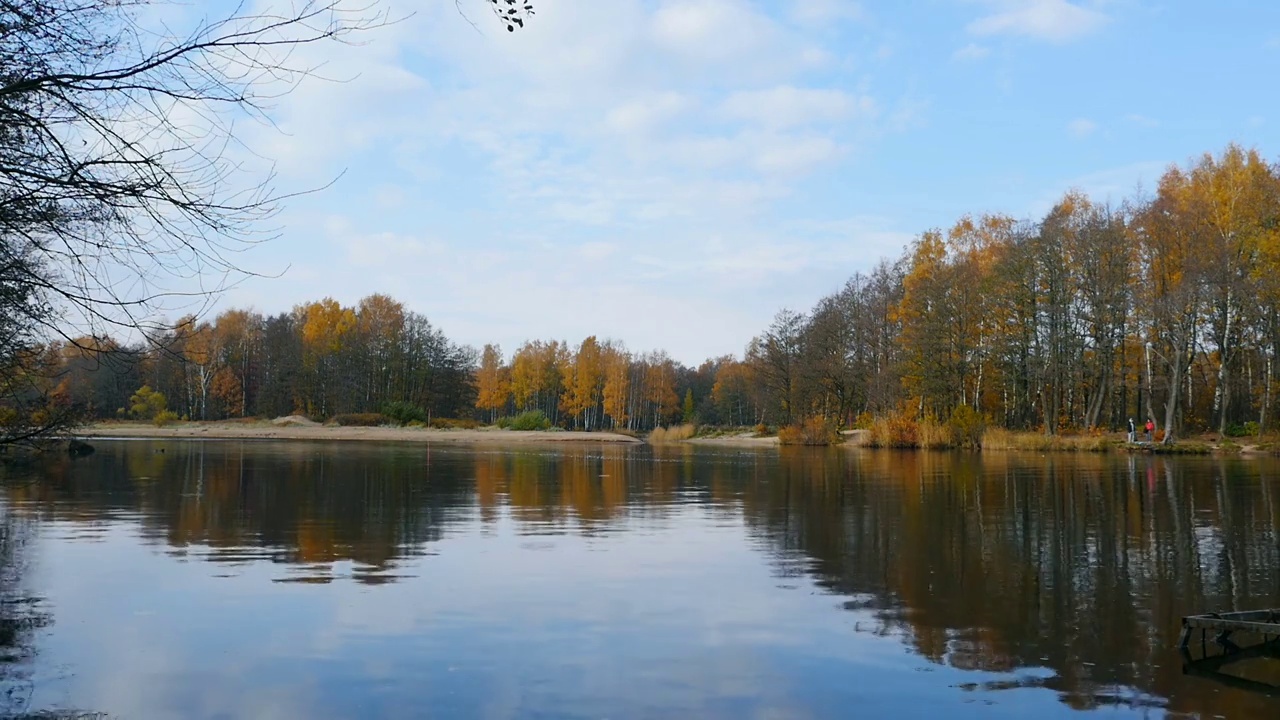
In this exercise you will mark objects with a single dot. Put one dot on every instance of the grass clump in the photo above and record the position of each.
(814, 431)
(526, 421)
(1227, 446)
(675, 433)
(1189, 448)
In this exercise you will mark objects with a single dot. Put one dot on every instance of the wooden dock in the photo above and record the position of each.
(1262, 624)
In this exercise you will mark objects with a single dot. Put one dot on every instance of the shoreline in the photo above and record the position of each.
(266, 431)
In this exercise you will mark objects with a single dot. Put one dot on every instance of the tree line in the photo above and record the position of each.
(321, 359)
(1161, 308)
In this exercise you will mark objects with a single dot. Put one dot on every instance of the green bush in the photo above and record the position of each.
(164, 417)
(503, 423)
(360, 419)
(1248, 429)
(403, 413)
(966, 426)
(530, 420)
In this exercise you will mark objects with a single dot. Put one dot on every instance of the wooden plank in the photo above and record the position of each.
(1246, 615)
(1261, 628)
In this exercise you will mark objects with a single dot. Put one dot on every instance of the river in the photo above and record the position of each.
(263, 579)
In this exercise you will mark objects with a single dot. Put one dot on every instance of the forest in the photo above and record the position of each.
(1161, 307)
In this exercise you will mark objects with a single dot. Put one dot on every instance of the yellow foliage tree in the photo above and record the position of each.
(493, 383)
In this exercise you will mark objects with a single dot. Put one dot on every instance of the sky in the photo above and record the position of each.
(671, 173)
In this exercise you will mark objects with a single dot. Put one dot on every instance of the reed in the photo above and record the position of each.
(1002, 439)
(675, 433)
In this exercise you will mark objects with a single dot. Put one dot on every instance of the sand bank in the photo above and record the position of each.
(269, 431)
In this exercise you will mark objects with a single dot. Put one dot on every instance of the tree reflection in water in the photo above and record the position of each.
(1065, 572)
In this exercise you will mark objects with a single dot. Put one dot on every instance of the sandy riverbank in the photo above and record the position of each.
(742, 440)
(269, 431)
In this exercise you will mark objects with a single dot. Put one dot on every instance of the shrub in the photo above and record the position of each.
(503, 423)
(530, 420)
(1245, 430)
(403, 413)
(675, 433)
(966, 427)
(454, 424)
(146, 403)
(415, 424)
(165, 417)
(762, 430)
(899, 430)
(816, 430)
(360, 419)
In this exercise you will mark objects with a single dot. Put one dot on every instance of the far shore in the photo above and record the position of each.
(268, 431)
(288, 429)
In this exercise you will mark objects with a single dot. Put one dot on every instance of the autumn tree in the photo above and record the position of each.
(493, 383)
(584, 382)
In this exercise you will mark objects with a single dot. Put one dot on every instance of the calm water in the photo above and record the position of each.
(277, 580)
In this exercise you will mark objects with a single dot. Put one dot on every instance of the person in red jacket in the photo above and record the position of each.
(1151, 430)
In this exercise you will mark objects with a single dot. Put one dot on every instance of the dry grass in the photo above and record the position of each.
(813, 431)
(675, 433)
(903, 431)
(934, 435)
(899, 430)
(1001, 439)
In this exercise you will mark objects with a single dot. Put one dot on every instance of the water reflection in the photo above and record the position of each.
(1064, 573)
(1081, 565)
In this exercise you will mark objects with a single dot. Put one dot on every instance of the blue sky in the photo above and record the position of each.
(670, 173)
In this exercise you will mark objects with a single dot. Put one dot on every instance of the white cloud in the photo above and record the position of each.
(712, 30)
(384, 249)
(486, 159)
(1056, 21)
(796, 155)
(643, 115)
(825, 12)
(597, 250)
(972, 51)
(786, 106)
(1082, 127)
(1141, 120)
